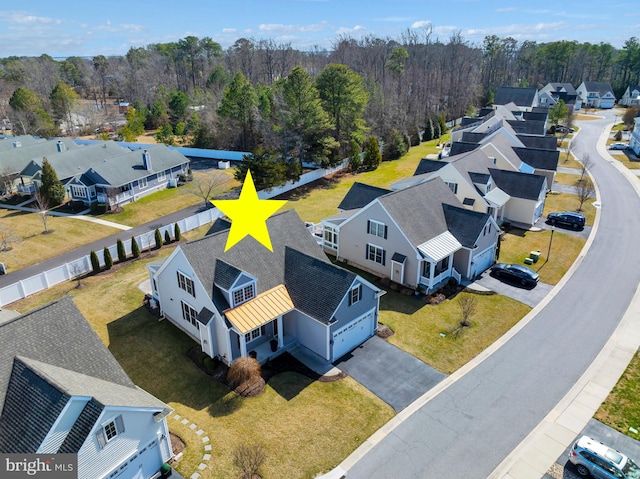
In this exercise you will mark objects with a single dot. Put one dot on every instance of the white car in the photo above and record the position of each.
(618, 146)
(593, 458)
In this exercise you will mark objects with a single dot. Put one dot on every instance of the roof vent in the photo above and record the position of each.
(146, 160)
(61, 146)
(17, 144)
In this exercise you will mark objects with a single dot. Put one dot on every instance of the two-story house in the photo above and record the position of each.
(251, 300)
(596, 94)
(62, 391)
(631, 96)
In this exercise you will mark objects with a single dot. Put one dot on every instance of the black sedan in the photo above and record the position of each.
(568, 219)
(516, 273)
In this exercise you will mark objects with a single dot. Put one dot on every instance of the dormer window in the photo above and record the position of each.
(242, 294)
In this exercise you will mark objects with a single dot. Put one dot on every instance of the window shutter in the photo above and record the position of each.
(360, 291)
(350, 293)
(178, 276)
(263, 330)
(102, 440)
(368, 226)
(384, 255)
(119, 424)
(366, 251)
(385, 231)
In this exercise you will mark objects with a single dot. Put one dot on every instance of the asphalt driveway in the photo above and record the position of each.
(388, 372)
(529, 296)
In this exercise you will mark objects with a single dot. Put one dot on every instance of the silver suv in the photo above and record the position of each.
(602, 462)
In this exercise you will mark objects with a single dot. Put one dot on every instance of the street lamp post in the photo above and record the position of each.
(550, 241)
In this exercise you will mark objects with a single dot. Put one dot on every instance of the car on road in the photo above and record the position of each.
(564, 129)
(619, 146)
(516, 273)
(568, 219)
(593, 458)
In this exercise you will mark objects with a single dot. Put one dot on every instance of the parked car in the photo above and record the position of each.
(568, 219)
(593, 458)
(515, 272)
(619, 146)
(564, 129)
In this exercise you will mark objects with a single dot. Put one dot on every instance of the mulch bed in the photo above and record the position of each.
(177, 444)
(283, 363)
(384, 331)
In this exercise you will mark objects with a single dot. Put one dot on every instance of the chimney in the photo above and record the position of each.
(61, 146)
(17, 144)
(146, 160)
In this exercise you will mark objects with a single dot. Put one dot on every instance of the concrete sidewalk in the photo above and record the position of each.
(82, 216)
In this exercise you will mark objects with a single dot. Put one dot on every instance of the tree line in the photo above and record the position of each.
(313, 106)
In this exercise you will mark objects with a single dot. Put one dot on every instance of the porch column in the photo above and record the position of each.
(243, 346)
(280, 332)
(432, 271)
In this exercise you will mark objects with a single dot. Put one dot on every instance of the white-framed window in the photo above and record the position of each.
(92, 191)
(331, 237)
(376, 254)
(142, 183)
(355, 294)
(189, 314)
(377, 228)
(78, 191)
(487, 229)
(109, 431)
(186, 283)
(253, 334)
(161, 176)
(242, 294)
(442, 265)
(452, 186)
(426, 269)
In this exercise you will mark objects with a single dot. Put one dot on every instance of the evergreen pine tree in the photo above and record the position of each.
(108, 260)
(443, 123)
(51, 186)
(176, 232)
(95, 262)
(135, 249)
(167, 237)
(372, 156)
(122, 253)
(158, 238)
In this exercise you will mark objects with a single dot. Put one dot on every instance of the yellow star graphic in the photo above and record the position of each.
(248, 215)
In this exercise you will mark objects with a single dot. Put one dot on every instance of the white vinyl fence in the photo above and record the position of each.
(80, 266)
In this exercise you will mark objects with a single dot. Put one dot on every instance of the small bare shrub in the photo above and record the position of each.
(243, 370)
(249, 459)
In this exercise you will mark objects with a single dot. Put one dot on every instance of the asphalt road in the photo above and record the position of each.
(470, 427)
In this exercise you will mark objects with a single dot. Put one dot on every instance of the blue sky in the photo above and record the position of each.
(62, 28)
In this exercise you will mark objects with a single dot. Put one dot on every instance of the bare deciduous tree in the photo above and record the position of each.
(468, 308)
(42, 204)
(249, 459)
(586, 163)
(204, 186)
(584, 190)
(7, 238)
(76, 270)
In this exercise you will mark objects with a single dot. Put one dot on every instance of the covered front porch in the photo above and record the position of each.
(257, 329)
(437, 265)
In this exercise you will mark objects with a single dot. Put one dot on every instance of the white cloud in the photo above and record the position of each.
(229, 30)
(421, 24)
(24, 18)
(121, 27)
(348, 30)
(282, 29)
(505, 9)
(393, 19)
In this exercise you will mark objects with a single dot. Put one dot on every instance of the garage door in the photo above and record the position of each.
(483, 260)
(353, 334)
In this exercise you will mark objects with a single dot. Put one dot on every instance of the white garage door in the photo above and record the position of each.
(354, 333)
(483, 260)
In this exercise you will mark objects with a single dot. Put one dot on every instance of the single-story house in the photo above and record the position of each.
(419, 236)
(251, 300)
(62, 391)
(527, 193)
(121, 179)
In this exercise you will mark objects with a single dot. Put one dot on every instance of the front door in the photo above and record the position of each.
(397, 272)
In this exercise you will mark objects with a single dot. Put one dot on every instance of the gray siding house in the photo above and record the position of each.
(250, 300)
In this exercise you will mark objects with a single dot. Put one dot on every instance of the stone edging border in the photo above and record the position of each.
(206, 457)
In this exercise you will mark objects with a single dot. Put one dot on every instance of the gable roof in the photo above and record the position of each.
(466, 225)
(416, 209)
(539, 158)
(460, 147)
(599, 86)
(360, 195)
(528, 127)
(557, 87)
(295, 252)
(519, 185)
(13, 160)
(50, 355)
(539, 141)
(519, 96)
(428, 166)
(24, 140)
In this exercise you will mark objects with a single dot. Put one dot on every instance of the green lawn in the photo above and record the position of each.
(306, 427)
(570, 162)
(567, 179)
(621, 410)
(417, 326)
(624, 159)
(569, 202)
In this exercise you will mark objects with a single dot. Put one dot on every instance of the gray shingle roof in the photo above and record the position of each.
(24, 140)
(535, 115)
(81, 428)
(529, 127)
(14, 160)
(563, 87)
(539, 141)
(460, 147)
(519, 96)
(225, 274)
(123, 169)
(465, 225)
(28, 396)
(415, 209)
(360, 195)
(428, 166)
(472, 137)
(518, 185)
(288, 233)
(600, 86)
(539, 158)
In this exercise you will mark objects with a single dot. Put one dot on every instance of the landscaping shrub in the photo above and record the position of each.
(158, 238)
(108, 260)
(122, 253)
(167, 237)
(249, 459)
(243, 370)
(176, 232)
(135, 249)
(95, 262)
(98, 208)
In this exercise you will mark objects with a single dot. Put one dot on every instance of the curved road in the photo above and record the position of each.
(471, 426)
